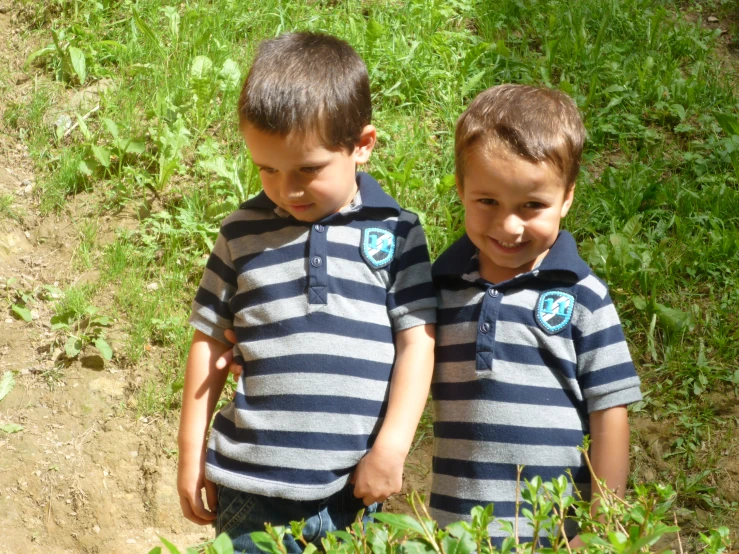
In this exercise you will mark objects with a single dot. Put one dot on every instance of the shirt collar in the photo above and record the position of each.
(459, 259)
(371, 194)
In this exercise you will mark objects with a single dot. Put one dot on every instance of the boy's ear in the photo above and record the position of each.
(569, 197)
(367, 141)
(460, 190)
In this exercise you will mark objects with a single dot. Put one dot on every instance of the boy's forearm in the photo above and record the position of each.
(409, 388)
(609, 448)
(202, 389)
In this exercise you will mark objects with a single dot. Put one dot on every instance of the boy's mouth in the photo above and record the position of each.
(508, 247)
(299, 207)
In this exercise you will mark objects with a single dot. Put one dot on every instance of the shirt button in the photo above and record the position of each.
(484, 327)
(493, 292)
(319, 228)
(316, 261)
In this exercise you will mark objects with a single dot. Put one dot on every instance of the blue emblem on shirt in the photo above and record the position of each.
(378, 246)
(554, 310)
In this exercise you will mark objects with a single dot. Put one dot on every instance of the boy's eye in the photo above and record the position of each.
(267, 170)
(535, 205)
(487, 201)
(311, 170)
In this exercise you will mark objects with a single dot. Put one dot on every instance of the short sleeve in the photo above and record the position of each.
(411, 300)
(211, 313)
(605, 370)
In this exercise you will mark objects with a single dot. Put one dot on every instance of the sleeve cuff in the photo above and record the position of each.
(208, 328)
(617, 398)
(414, 319)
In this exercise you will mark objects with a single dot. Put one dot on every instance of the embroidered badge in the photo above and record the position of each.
(554, 310)
(378, 247)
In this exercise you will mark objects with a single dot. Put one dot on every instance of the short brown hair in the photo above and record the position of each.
(304, 83)
(537, 124)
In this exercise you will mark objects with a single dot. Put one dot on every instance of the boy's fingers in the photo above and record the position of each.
(211, 495)
(199, 510)
(230, 335)
(225, 359)
(189, 513)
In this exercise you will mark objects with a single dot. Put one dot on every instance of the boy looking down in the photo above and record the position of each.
(326, 283)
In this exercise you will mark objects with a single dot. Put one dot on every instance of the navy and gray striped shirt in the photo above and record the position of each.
(519, 366)
(315, 307)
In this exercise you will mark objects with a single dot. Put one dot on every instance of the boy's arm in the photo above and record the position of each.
(380, 473)
(609, 454)
(609, 449)
(203, 386)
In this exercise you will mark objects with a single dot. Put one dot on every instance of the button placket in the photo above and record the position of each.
(485, 347)
(317, 272)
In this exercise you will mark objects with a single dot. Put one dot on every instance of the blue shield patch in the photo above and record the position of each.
(378, 247)
(554, 310)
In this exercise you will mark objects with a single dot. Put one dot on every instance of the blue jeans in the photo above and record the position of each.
(241, 513)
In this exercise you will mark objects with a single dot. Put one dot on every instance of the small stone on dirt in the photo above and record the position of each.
(96, 529)
(712, 19)
(152, 286)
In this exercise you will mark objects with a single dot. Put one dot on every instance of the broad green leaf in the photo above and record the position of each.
(111, 126)
(11, 428)
(144, 28)
(135, 147)
(201, 68)
(735, 377)
(310, 549)
(22, 312)
(729, 123)
(399, 521)
(77, 57)
(6, 384)
(374, 30)
(453, 545)
(223, 544)
(264, 542)
(73, 346)
(171, 547)
(472, 82)
(672, 318)
(230, 75)
(639, 302)
(156, 550)
(83, 127)
(105, 350)
(102, 155)
(418, 547)
(40, 53)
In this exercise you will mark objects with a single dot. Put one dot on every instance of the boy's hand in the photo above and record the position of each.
(227, 358)
(190, 483)
(378, 475)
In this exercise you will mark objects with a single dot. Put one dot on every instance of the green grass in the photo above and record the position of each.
(657, 205)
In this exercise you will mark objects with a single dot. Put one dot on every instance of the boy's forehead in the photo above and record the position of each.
(298, 139)
(485, 167)
(497, 156)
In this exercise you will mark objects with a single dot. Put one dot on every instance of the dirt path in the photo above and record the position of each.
(84, 474)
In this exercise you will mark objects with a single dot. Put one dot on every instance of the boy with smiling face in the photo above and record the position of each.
(530, 354)
(324, 283)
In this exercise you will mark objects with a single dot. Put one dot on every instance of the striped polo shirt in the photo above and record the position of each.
(519, 366)
(315, 307)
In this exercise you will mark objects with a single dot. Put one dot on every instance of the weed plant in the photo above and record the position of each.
(657, 204)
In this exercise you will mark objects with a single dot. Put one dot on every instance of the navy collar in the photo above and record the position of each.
(562, 258)
(370, 191)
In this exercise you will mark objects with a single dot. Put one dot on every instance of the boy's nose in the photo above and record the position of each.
(511, 224)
